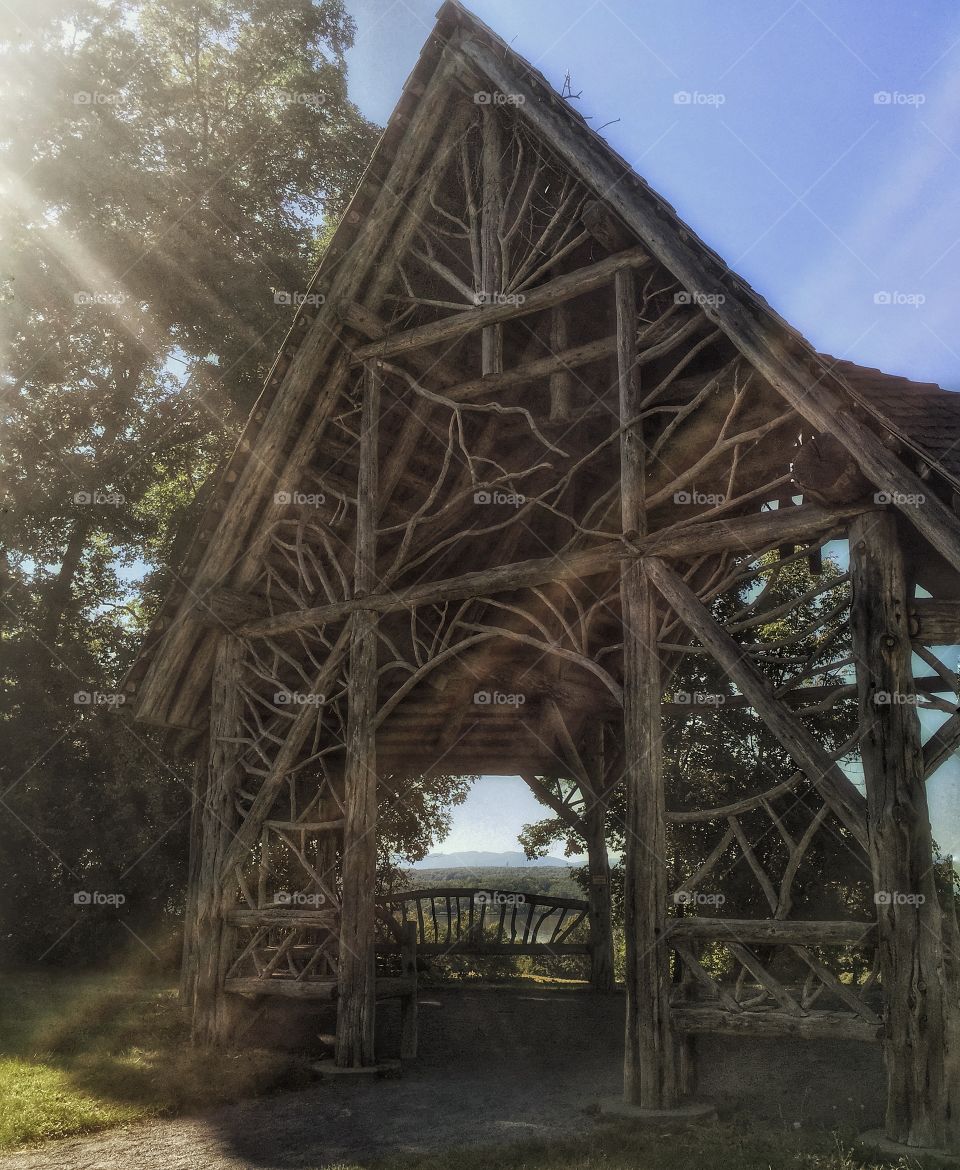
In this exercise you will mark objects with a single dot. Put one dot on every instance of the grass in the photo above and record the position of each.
(80, 1054)
(728, 1146)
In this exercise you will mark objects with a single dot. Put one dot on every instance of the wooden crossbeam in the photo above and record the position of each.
(544, 296)
(941, 745)
(798, 525)
(833, 785)
(935, 623)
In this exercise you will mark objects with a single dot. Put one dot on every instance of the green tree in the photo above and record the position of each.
(168, 168)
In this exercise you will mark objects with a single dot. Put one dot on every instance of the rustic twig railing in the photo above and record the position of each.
(490, 922)
(771, 978)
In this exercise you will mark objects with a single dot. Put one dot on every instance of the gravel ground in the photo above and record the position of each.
(496, 1065)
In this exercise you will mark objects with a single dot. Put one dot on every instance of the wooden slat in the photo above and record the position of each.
(544, 296)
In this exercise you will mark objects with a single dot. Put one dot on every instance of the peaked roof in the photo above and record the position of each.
(924, 417)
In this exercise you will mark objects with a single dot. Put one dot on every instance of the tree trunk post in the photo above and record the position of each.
(649, 1073)
(910, 922)
(214, 937)
(188, 961)
(357, 970)
(598, 862)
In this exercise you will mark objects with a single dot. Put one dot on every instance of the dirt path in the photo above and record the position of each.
(495, 1066)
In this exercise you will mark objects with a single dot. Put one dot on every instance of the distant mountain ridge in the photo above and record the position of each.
(476, 859)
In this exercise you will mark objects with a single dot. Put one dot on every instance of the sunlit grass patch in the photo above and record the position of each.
(84, 1053)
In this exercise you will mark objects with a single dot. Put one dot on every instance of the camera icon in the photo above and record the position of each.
(282, 898)
(882, 298)
(482, 698)
(82, 498)
(82, 698)
(482, 898)
(882, 97)
(482, 497)
(682, 498)
(82, 898)
(882, 898)
(282, 298)
(882, 698)
(683, 298)
(682, 898)
(682, 97)
(82, 98)
(682, 697)
(482, 98)
(283, 498)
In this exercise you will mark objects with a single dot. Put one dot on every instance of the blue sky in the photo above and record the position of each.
(819, 154)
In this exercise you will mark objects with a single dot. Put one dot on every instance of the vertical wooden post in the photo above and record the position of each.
(910, 923)
(409, 1005)
(560, 380)
(648, 1074)
(598, 862)
(188, 961)
(211, 1019)
(356, 972)
(491, 340)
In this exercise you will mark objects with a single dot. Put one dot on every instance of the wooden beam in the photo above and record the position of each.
(934, 622)
(544, 296)
(910, 925)
(818, 1025)
(792, 368)
(598, 859)
(772, 931)
(491, 210)
(649, 1068)
(806, 523)
(211, 1018)
(830, 781)
(356, 973)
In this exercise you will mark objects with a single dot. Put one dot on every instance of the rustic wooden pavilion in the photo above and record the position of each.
(525, 428)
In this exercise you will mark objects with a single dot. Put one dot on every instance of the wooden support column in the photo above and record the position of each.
(188, 960)
(648, 1074)
(211, 1017)
(490, 259)
(594, 822)
(357, 973)
(922, 1073)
